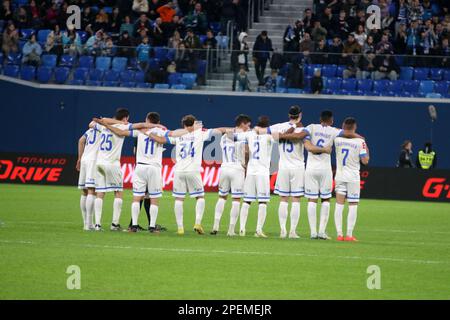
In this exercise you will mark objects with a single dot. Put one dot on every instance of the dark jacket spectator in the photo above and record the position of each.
(317, 83)
(320, 55)
(277, 61)
(405, 157)
(262, 48)
(125, 45)
(10, 40)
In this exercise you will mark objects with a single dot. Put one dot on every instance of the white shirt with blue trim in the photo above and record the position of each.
(348, 154)
(110, 147)
(321, 136)
(92, 143)
(149, 151)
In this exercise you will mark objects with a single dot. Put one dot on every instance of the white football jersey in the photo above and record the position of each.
(348, 154)
(148, 151)
(321, 136)
(110, 148)
(291, 152)
(189, 150)
(260, 151)
(233, 152)
(92, 142)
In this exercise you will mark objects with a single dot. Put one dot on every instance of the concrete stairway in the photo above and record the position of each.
(275, 20)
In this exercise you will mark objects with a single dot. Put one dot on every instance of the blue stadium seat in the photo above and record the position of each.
(11, 70)
(356, 93)
(76, 82)
(44, 74)
(110, 83)
(405, 94)
(389, 93)
(364, 85)
(108, 10)
(102, 63)
(14, 58)
(43, 34)
(111, 75)
(139, 77)
(119, 64)
(294, 90)
(201, 68)
(48, 60)
(143, 85)
(93, 83)
(340, 71)
(153, 64)
(96, 75)
(202, 38)
(426, 86)
(215, 27)
(381, 85)
(442, 87)
(421, 73)
(61, 74)
(26, 33)
(281, 82)
(66, 61)
(282, 90)
(329, 70)
(132, 64)
(171, 54)
(174, 78)
(160, 53)
(333, 84)
(222, 42)
(349, 84)
(395, 86)
(127, 76)
(307, 82)
(411, 86)
(81, 74)
(28, 73)
(189, 79)
(312, 68)
(433, 95)
(436, 74)
(284, 70)
(446, 75)
(343, 92)
(178, 87)
(83, 36)
(161, 86)
(128, 84)
(21, 44)
(86, 62)
(406, 73)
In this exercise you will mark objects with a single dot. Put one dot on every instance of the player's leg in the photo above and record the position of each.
(338, 210)
(249, 197)
(237, 192)
(100, 189)
(154, 209)
(263, 196)
(282, 188)
(312, 193)
(297, 191)
(139, 184)
(179, 192)
(84, 194)
(353, 200)
(196, 190)
(154, 186)
(224, 189)
(90, 200)
(135, 210)
(117, 210)
(326, 184)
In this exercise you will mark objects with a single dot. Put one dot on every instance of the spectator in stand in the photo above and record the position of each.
(292, 36)
(386, 67)
(360, 35)
(243, 81)
(412, 42)
(352, 66)
(317, 82)
(34, 13)
(127, 26)
(10, 40)
(6, 12)
(351, 8)
(109, 49)
(444, 50)
(31, 52)
(335, 50)
(209, 47)
(115, 22)
(142, 24)
(415, 11)
(87, 17)
(261, 54)
(294, 78)
(320, 55)
(53, 44)
(270, 82)
(401, 14)
(143, 54)
(341, 26)
(191, 40)
(350, 46)
(51, 15)
(175, 40)
(388, 23)
(228, 13)
(177, 24)
(140, 7)
(21, 18)
(369, 45)
(153, 9)
(406, 154)
(125, 45)
(95, 43)
(277, 61)
(167, 12)
(158, 37)
(101, 20)
(308, 20)
(197, 19)
(71, 42)
(366, 66)
(183, 58)
(318, 32)
(327, 21)
(401, 39)
(62, 14)
(306, 47)
(384, 46)
(239, 56)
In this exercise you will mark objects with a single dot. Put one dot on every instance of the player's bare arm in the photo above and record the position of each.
(158, 139)
(117, 131)
(81, 145)
(315, 149)
(293, 135)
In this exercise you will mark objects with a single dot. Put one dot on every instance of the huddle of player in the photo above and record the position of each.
(245, 170)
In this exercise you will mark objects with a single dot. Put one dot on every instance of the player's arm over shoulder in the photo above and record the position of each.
(364, 153)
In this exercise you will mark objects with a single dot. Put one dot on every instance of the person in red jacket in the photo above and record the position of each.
(166, 12)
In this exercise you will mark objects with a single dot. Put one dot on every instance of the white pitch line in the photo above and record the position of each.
(260, 253)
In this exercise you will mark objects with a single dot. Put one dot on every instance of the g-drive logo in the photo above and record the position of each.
(74, 20)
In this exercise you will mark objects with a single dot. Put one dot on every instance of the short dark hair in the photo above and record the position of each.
(122, 113)
(349, 123)
(294, 111)
(242, 118)
(153, 117)
(326, 115)
(263, 121)
(188, 120)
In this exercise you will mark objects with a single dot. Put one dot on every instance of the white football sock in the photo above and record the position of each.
(220, 205)
(98, 206)
(117, 210)
(295, 215)
(153, 215)
(199, 210)
(83, 209)
(90, 200)
(234, 214)
(351, 219)
(243, 216)
(262, 213)
(312, 218)
(282, 215)
(135, 210)
(324, 215)
(338, 218)
(179, 213)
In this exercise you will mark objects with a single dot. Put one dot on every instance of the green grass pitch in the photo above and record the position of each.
(40, 236)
